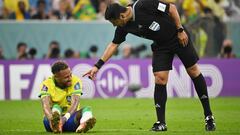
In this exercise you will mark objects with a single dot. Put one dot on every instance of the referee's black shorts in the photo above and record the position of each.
(163, 55)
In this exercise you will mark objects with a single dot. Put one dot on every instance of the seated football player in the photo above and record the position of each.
(60, 95)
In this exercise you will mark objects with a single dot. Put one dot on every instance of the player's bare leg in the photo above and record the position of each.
(87, 121)
(201, 89)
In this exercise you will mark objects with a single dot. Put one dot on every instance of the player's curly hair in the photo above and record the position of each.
(58, 66)
(113, 11)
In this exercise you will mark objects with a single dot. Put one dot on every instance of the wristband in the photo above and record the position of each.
(67, 116)
(99, 64)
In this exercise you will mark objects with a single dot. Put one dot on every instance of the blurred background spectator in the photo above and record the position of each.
(22, 51)
(13, 5)
(53, 50)
(136, 52)
(1, 8)
(127, 51)
(93, 51)
(232, 9)
(1, 53)
(21, 12)
(32, 53)
(63, 11)
(193, 8)
(227, 50)
(84, 10)
(101, 10)
(34, 6)
(41, 12)
(70, 53)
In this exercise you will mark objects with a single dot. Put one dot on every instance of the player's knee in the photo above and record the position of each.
(193, 71)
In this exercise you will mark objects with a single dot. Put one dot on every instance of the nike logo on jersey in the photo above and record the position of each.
(154, 26)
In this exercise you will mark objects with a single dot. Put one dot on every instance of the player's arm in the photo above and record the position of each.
(74, 101)
(182, 36)
(72, 109)
(46, 107)
(74, 104)
(109, 51)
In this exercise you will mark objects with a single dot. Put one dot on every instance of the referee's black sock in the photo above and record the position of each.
(160, 98)
(201, 89)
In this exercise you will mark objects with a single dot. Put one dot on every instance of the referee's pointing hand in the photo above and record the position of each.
(91, 73)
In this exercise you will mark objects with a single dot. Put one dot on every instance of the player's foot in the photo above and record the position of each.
(210, 124)
(84, 127)
(56, 122)
(159, 126)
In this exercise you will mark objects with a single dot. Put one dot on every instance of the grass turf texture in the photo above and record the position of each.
(128, 116)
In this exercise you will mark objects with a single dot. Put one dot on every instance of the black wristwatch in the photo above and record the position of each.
(180, 30)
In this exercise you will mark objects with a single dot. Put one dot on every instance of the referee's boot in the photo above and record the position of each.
(159, 127)
(210, 124)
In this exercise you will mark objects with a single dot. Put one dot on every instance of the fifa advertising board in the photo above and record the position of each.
(119, 78)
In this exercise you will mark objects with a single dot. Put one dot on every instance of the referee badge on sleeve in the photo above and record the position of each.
(77, 86)
(154, 26)
(162, 7)
(44, 88)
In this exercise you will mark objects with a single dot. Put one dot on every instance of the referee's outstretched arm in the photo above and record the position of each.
(109, 51)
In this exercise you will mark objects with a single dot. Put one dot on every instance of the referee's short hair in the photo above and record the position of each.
(113, 11)
(58, 66)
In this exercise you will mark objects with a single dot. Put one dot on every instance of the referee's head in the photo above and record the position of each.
(117, 14)
(113, 11)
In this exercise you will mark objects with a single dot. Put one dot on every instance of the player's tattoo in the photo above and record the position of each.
(46, 103)
(74, 104)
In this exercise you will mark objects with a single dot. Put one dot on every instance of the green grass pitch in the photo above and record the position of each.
(128, 117)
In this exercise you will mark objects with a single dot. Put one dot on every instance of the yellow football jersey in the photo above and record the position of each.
(60, 96)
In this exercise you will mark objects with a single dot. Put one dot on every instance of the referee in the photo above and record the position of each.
(159, 22)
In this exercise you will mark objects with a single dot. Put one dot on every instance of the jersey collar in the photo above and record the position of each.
(133, 9)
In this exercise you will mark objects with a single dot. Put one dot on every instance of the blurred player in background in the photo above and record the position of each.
(60, 95)
(160, 22)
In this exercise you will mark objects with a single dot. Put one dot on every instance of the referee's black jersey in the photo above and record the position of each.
(151, 20)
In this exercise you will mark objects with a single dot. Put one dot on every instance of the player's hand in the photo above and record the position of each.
(91, 73)
(183, 38)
